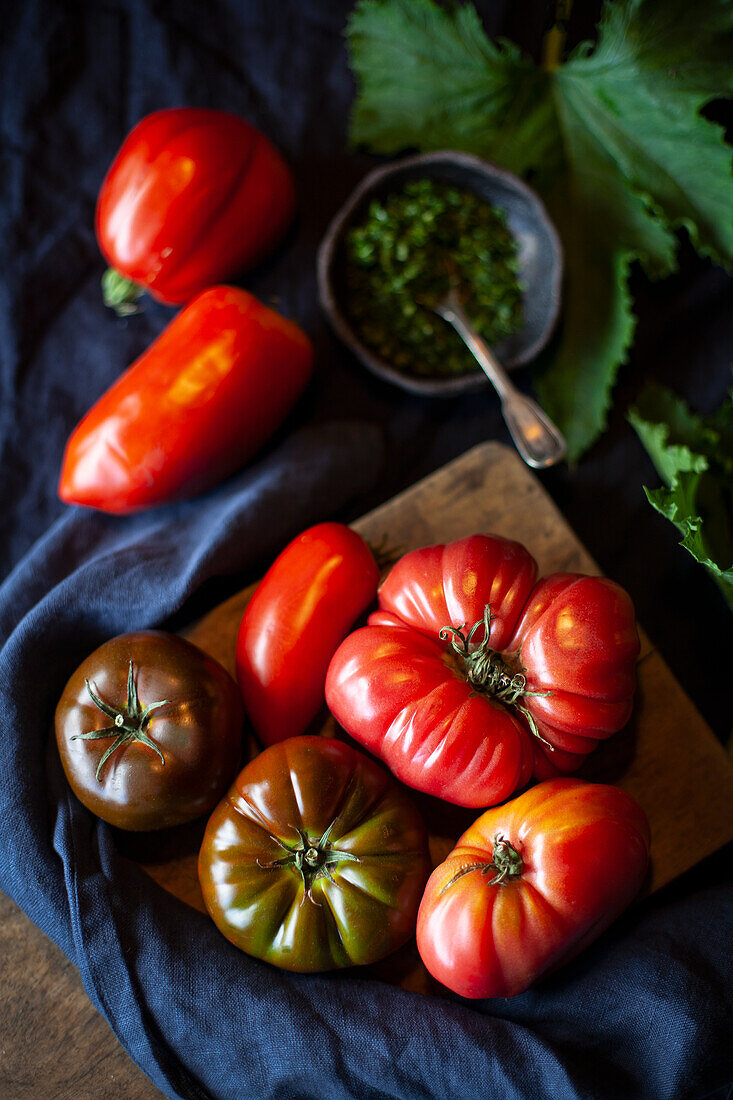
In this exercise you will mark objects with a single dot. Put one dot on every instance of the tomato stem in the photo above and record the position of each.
(488, 672)
(505, 860)
(313, 858)
(120, 294)
(128, 724)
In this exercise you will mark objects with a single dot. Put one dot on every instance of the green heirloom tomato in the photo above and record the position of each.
(149, 730)
(315, 859)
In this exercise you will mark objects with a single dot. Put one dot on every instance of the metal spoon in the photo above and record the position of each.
(536, 438)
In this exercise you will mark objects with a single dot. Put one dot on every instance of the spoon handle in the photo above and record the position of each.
(535, 436)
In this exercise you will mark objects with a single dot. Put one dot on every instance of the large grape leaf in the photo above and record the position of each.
(613, 139)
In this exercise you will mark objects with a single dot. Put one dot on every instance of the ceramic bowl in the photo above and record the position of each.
(539, 254)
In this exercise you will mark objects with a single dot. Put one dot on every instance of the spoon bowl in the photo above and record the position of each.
(539, 256)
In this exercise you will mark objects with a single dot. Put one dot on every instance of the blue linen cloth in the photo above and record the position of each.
(647, 1011)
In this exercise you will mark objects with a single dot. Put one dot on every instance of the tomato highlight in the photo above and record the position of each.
(301, 610)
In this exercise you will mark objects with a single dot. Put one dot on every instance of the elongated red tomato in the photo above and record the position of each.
(530, 884)
(192, 197)
(303, 607)
(460, 717)
(192, 409)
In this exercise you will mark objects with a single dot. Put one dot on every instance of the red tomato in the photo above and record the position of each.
(192, 409)
(303, 607)
(455, 719)
(530, 884)
(192, 198)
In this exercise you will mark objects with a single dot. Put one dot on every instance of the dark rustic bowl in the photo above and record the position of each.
(540, 261)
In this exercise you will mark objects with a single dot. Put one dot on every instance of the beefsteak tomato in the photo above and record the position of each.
(303, 607)
(464, 712)
(192, 198)
(203, 398)
(149, 731)
(530, 884)
(315, 859)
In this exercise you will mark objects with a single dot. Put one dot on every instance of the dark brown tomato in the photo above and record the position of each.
(316, 858)
(173, 720)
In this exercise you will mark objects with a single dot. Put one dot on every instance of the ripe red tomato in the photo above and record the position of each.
(304, 606)
(192, 198)
(454, 708)
(530, 884)
(315, 859)
(192, 409)
(149, 730)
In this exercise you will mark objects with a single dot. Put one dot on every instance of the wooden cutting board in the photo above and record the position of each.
(667, 757)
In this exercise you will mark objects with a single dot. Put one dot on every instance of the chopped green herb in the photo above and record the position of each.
(403, 256)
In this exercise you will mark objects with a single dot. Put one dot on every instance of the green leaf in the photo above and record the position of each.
(613, 139)
(694, 456)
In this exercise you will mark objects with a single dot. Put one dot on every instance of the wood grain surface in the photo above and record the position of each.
(52, 1041)
(54, 1045)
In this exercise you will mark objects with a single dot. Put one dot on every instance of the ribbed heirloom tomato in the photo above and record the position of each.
(530, 884)
(471, 675)
(302, 608)
(315, 859)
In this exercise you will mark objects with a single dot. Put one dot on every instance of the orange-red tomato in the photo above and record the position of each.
(192, 198)
(192, 409)
(530, 884)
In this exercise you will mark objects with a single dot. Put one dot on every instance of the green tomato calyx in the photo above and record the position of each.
(129, 724)
(505, 861)
(120, 293)
(312, 858)
(488, 671)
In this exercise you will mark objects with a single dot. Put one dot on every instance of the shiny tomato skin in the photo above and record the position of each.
(267, 909)
(199, 732)
(192, 198)
(203, 398)
(395, 692)
(449, 585)
(573, 637)
(585, 851)
(396, 689)
(301, 610)
(577, 643)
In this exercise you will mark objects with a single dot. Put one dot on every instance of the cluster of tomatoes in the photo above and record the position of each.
(469, 679)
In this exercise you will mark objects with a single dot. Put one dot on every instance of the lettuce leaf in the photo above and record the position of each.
(694, 457)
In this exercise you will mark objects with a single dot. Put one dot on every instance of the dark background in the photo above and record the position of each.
(74, 79)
